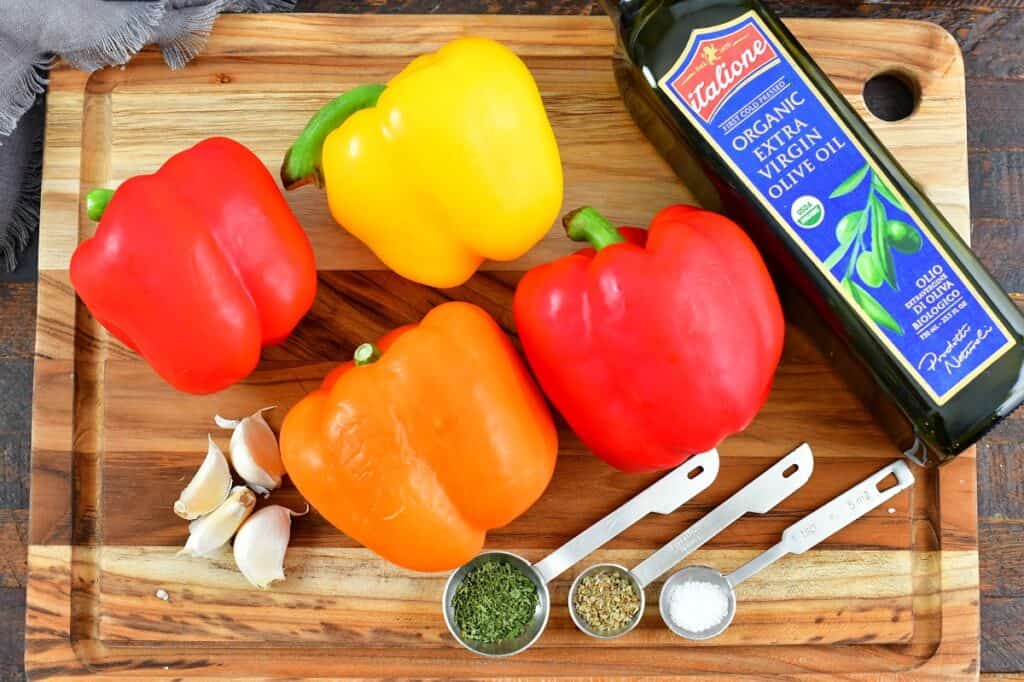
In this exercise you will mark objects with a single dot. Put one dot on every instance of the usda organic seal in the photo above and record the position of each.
(807, 212)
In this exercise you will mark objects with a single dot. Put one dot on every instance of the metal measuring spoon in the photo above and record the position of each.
(664, 496)
(797, 539)
(759, 496)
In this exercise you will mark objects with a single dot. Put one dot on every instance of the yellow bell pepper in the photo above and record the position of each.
(451, 163)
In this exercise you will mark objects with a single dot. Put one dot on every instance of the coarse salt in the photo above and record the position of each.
(697, 605)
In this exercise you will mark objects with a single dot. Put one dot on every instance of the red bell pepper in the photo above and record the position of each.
(197, 266)
(654, 345)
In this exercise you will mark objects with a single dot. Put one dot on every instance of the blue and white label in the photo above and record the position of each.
(749, 99)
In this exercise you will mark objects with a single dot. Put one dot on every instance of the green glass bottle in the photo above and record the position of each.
(755, 128)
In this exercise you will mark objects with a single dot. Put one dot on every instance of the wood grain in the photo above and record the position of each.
(357, 600)
(101, 540)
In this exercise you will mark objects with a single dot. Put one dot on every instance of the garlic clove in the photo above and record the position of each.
(254, 452)
(261, 544)
(208, 488)
(208, 534)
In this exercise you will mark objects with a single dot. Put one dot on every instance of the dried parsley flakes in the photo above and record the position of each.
(494, 603)
(607, 601)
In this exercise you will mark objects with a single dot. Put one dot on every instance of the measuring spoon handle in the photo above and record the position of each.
(759, 496)
(847, 508)
(664, 496)
(830, 518)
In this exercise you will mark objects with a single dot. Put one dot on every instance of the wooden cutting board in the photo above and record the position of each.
(894, 594)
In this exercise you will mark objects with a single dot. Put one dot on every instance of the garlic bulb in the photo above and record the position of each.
(261, 544)
(208, 534)
(209, 486)
(254, 451)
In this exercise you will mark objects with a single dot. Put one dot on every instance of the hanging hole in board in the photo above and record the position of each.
(695, 473)
(892, 95)
(889, 481)
(790, 470)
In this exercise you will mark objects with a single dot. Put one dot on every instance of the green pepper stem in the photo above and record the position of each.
(96, 202)
(587, 225)
(302, 162)
(366, 354)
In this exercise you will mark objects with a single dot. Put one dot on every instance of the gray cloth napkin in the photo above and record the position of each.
(88, 35)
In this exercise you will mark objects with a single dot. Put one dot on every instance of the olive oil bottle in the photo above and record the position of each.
(755, 127)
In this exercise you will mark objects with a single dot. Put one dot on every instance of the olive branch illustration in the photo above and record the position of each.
(869, 238)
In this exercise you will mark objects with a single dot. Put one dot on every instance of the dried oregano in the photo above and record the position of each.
(606, 600)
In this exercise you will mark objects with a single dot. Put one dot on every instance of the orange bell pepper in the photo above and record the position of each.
(425, 441)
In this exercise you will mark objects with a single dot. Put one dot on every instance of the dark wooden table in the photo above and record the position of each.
(991, 34)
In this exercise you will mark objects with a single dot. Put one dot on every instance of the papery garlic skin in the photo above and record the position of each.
(254, 451)
(261, 544)
(208, 488)
(209, 534)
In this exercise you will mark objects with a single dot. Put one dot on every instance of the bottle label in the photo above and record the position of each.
(753, 104)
